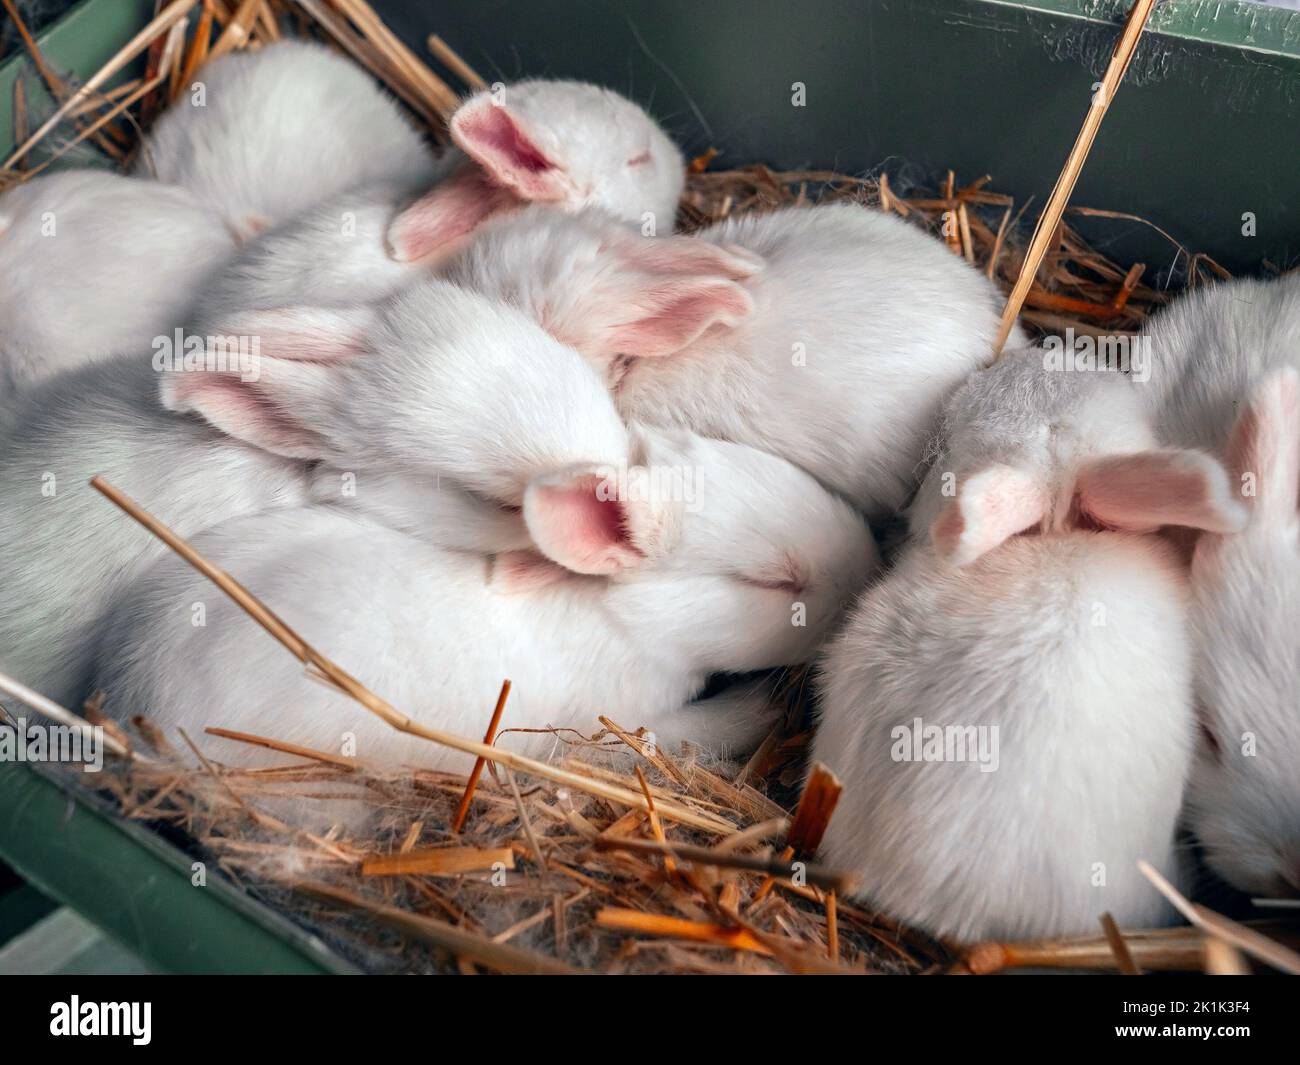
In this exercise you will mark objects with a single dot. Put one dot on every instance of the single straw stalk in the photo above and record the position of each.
(1051, 216)
(443, 52)
(1123, 957)
(62, 716)
(462, 811)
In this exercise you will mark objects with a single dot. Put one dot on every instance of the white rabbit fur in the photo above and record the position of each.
(479, 379)
(65, 552)
(280, 129)
(566, 144)
(1224, 365)
(829, 336)
(1244, 800)
(64, 557)
(423, 504)
(96, 264)
(1074, 643)
(1211, 347)
(690, 589)
(365, 242)
(601, 148)
(1095, 736)
(331, 254)
(1045, 429)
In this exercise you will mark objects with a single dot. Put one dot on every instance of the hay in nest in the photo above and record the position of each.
(541, 878)
(613, 856)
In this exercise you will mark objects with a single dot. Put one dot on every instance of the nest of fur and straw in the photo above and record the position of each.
(546, 876)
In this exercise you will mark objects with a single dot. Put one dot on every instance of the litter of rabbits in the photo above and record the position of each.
(622, 856)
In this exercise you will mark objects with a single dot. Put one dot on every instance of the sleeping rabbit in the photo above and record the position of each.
(1225, 360)
(1011, 707)
(663, 558)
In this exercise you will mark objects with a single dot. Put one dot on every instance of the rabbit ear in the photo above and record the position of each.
(687, 255)
(990, 506)
(650, 297)
(678, 289)
(499, 141)
(300, 333)
(1264, 450)
(589, 521)
(1143, 491)
(675, 313)
(446, 214)
(269, 377)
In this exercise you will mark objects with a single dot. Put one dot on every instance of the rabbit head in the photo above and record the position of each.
(1244, 798)
(566, 144)
(1028, 446)
(731, 557)
(435, 381)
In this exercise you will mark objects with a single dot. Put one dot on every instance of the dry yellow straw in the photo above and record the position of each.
(350, 686)
(1236, 935)
(166, 18)
(443, 52)
(1051, 216)
(49, 708)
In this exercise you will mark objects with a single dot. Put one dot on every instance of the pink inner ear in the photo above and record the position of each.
(1266, 443)
(990, 506)
(304, 333)
(489, 134)
(574, 526)
(1144, 491)
(518, 572)
(240, 410)
(446, 214)
(690, 255)
(682, 313)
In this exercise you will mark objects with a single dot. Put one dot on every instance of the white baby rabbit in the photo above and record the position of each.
(65, 553)
(95, 264)
(1012, 715)
(262, 135)
(1244, 799)
(714, 557)
(1223, 364)
(567, 144)
(365, 242)
(829, 336)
